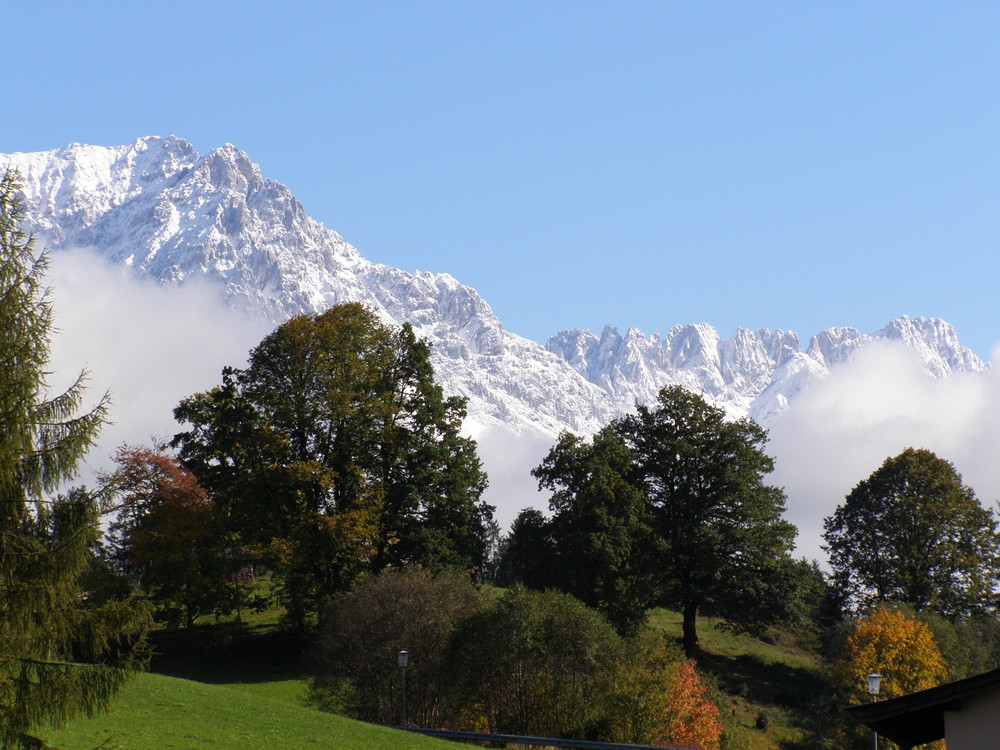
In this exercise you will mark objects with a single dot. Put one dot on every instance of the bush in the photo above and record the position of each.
(524, 662)
(538, 663)
(363, 631)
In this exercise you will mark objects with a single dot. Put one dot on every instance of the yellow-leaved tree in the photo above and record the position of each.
(895, 645)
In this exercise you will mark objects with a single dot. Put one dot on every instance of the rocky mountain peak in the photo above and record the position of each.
(158, 209)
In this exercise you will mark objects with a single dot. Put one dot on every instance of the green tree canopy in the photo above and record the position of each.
(48, 633)
(669, 505)
(538, 663)
(601, 535)
(337, 452)
(913, 532)
(364, 630)
(723, 545)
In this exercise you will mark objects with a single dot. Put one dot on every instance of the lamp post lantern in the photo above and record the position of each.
(404, 662)
(874, 682)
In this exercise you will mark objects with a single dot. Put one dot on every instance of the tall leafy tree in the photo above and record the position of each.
(913, 532)
(527, 552)
(723, 546)
(600, 529)
(336, 452)
(166, 536)
(670, 506)
(58, 656)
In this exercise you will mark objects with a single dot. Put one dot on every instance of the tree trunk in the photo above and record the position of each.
(690, 630)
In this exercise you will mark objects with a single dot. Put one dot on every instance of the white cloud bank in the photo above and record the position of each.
(834, 435)
(508, 459)
(149, 345)
(841, 429)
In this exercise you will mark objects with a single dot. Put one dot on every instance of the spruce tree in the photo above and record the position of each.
(58, 655)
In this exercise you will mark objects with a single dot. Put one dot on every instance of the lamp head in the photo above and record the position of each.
(874, 680)
(404, 659)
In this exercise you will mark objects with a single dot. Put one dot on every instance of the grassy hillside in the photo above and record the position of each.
(217, 688)
(755, 678)
(157, 712)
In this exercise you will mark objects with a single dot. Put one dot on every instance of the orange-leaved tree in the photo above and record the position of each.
(893, 644)
(166, 536)
(688, 717)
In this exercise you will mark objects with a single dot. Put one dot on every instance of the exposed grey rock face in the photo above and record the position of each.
(159, 209)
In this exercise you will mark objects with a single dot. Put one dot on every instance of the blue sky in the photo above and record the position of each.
(791, 165)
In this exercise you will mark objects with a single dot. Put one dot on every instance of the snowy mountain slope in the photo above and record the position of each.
(755, 372)
(159, 209)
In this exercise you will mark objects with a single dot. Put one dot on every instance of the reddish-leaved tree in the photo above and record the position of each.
(688, 717)
(165, 536)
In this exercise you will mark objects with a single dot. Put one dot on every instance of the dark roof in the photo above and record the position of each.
(919, 717)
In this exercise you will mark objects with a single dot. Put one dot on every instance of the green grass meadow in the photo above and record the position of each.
(157, 712)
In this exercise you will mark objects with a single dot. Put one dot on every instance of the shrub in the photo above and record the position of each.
(363, 631)
(538, 663)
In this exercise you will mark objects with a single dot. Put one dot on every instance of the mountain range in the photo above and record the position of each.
(158, 209)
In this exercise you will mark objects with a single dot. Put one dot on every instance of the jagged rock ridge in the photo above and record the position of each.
(159, 209)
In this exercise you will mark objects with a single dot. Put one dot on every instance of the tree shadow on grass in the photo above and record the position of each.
(749, 676)
(799, 690)
(214, 655)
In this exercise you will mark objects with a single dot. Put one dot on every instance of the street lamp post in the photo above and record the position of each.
(874, 680)
(404, 662)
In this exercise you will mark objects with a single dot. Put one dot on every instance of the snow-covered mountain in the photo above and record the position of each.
(755, 372)
(159, 209)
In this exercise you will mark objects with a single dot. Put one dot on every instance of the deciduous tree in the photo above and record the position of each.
(895, 645)
(166, 536)
(723, 546)
(687, 717)
(538, 663)
(658, 698)
(336, 451)
(602, 541)
(364, 630)
(913, 532)
(59, 656)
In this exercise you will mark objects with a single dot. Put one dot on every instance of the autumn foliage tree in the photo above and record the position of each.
(895, 645)
(166, 535)
(687, 717)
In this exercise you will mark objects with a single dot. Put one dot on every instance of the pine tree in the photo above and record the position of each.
(58, 656)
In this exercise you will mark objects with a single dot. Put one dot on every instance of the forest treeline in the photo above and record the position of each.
(333, 459)
(333, 469)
